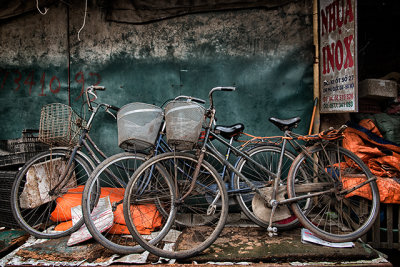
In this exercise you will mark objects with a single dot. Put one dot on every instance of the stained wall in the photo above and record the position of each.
(265, 53)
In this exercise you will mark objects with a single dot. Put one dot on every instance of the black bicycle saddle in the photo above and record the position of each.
(284, 125)
(229, 131)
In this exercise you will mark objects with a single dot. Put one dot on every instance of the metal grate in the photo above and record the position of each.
(60, 125)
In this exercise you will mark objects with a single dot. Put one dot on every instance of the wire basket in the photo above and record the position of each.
(138, 125)
(184, 121)
(60, 125)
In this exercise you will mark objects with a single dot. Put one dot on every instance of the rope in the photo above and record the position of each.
(330, 134)
(260, 139)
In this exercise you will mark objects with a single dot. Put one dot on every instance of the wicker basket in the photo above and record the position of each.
(138, 126)
(184, 121)
(60, 125)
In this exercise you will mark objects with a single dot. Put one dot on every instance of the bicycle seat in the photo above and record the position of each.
(284, 125)
(229, 131)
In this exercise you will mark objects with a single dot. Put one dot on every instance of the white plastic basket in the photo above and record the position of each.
(183, 124)
(138, 126)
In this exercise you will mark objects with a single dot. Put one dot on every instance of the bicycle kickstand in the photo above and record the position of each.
(272, 230)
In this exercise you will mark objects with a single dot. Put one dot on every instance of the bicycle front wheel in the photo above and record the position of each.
(337, 182)
(41, 200)
(108, 182)
(254, 206)
(167, 181)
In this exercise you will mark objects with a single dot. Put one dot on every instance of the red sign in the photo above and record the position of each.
(338, 56)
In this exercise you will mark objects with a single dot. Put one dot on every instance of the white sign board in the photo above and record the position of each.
(338, 56)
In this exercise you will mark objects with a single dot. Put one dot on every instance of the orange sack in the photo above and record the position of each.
(146, 217)
(73, 198)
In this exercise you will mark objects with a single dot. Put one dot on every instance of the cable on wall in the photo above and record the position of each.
(84, 20)
(40, 11)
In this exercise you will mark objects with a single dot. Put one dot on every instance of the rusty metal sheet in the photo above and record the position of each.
(10, 239)
(39, 179)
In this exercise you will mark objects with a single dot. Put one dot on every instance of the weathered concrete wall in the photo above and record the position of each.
(266, 54)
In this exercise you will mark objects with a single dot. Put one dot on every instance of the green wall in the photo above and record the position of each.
(266, 54)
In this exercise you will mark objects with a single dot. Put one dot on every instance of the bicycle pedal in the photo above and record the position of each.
(211, 210)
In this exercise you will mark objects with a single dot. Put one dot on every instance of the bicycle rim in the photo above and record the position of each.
(335, 215)
(41, 203)
(173, 240)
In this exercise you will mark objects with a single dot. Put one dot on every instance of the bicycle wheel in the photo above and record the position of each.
(182, 200)
(337, 177)
(41, 203)
(109, 181)
(252, 205)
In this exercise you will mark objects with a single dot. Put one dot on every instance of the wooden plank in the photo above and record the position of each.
(364, 210)
(398, 225)
(389, 225)
(376, 238)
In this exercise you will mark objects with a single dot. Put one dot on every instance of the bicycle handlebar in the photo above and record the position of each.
(220, 88)
(91, 91)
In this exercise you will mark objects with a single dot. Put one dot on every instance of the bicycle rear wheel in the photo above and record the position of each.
(337, 180)
(254, 206)
(41, 203)
(109, 181)
(204, 206)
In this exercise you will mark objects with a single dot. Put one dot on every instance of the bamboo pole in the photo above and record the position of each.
(316, 116)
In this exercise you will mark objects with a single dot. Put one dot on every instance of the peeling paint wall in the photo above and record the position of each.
(266, 54)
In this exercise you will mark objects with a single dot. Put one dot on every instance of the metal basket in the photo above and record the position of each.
(60, 125)
(184, 121)
(138, 125)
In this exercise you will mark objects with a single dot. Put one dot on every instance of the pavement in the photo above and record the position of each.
(240, 243)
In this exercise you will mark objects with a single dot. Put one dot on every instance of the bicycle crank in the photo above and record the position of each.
(263, 210)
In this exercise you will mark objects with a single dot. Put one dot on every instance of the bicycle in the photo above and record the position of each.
(45, 179)
(122, 166)
(315, 190)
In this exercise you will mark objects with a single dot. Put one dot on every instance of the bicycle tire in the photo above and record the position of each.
(268, 156)
(336, 215)
(34, 215)
(110, 179)
(174, 167)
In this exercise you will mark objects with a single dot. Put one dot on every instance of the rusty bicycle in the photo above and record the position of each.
(320, 189)
(40, 189)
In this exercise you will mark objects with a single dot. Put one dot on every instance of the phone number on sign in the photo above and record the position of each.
(348, 104)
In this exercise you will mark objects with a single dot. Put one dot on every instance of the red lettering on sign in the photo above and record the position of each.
(335, 15)
(349, 58)
(339, 55)
(333, 55)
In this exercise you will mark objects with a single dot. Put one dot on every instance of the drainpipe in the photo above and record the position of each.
(69, 57)
(316, 119)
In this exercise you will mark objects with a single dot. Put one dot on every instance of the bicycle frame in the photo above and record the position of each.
(91, 148)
